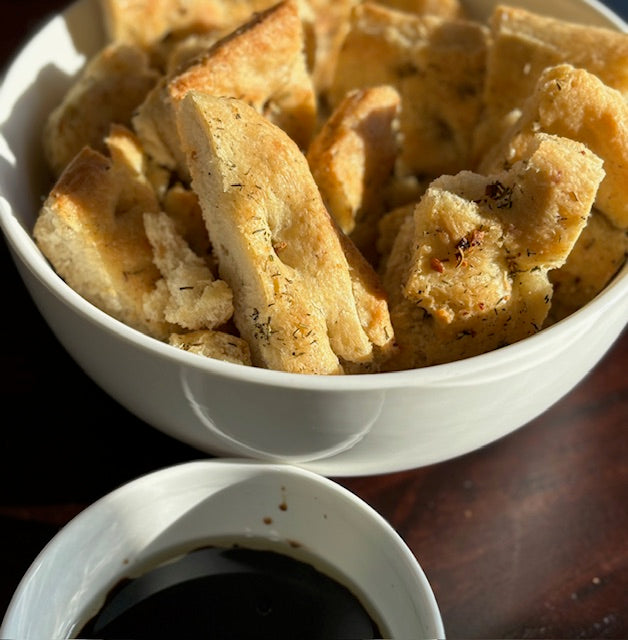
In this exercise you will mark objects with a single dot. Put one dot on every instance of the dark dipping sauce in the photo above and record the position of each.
(228, 593)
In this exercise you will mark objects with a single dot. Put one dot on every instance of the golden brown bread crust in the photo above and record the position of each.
(329, 30)
(263, 63)
(295, 296)
(331, 24)
(177, 55)
(524, 44)
(352, 159)
(596, 258)
(109, 89)
(575, 104)
(146, 22)
(468, 273)
(438, 67)
(90, 228)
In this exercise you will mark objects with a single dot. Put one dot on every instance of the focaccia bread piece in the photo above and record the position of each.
(423, 341)
(524, 44)
(146, 22)
(330, 27)
(262, 63)
(576, 104)
(331, 24)
(596, 258)
(195, 299)
(213, 344)
(352, 159)
(91, 230)
(437, 66)
(108, 90)
(303, 302)
(469, 272)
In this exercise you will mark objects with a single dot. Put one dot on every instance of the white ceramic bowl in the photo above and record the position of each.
(347, 425)
(186, 506)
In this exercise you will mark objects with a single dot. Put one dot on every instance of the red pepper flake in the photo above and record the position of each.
(469, 241)
(437, 265)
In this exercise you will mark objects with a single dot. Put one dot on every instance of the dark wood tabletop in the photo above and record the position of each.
(526, 538)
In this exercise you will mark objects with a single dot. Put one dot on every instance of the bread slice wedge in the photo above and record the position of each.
(575, 103)
(438, 67)
(147, 22)
(91, 229)
(108, 90)
(525, 43)
(305, 300)
(352, 159)
(263, 63)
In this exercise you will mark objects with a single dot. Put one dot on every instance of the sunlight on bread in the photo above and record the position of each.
(335, 188)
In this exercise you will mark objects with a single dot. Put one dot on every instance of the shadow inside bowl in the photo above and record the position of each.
(24, 176)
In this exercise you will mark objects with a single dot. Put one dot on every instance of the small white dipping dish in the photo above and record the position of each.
(189, 505)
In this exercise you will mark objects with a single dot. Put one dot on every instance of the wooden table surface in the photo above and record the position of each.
(526, 538)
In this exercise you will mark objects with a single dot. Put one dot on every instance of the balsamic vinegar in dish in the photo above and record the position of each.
(235, 592)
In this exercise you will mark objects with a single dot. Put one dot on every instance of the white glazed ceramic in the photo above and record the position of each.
(185, 506)
(342, 425)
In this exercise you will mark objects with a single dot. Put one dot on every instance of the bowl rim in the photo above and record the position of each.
(27, 255)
